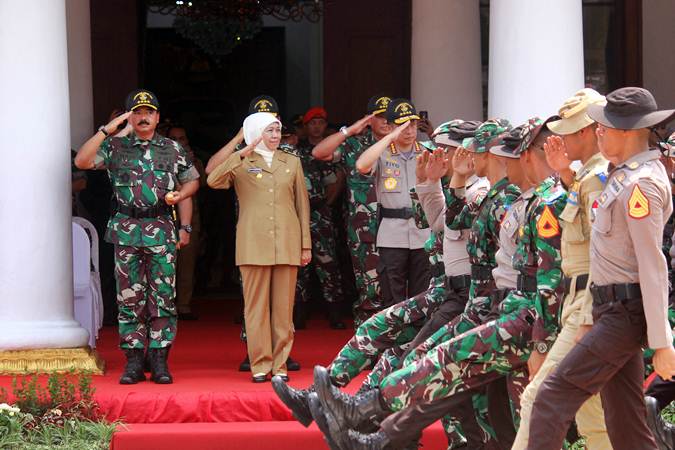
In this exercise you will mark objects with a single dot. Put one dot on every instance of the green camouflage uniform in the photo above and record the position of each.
(141, 173)
(322, 229)
(361, 226)
(483, 217)
(501, 346)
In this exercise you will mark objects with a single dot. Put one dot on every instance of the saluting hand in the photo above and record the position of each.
(398, 130)
(305, 257)
(556, 153)
(249, 148)
(437, 166)
(420, 167)
(111, 127)
(462, 162)
(360, 125)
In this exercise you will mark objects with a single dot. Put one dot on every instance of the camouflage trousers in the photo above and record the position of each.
(364, 263)
(478, 310)
(392, 327)
(146, 280)
(324, 261)
(469, 361)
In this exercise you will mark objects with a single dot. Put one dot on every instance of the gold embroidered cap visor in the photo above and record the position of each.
(141, 97)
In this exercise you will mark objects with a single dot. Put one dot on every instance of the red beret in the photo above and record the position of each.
(313, 113)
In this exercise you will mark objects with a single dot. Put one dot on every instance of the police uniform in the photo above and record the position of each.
(629, 288)
(403, 267)
(142, 229)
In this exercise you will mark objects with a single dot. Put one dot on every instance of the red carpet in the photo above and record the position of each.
(211, 405)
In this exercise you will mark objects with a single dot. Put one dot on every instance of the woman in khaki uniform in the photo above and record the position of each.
(272, 239)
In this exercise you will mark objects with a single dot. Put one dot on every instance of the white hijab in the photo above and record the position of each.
(254, 125)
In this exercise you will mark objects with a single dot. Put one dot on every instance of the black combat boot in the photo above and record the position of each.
(295, 399)
(373, 441)
(348, 411)
(133, 370)
(159, 367)
(335, 316)
(664, 433)
(327, 425)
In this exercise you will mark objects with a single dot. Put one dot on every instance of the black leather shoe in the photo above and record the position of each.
(133, 370)
(292, 365)
(664, 433)
(350, 412)
(245, 365)
(158, 364)
(295, 399)
(259, 378)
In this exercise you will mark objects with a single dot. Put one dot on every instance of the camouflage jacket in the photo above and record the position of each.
(362, 197)
(141, 173)
(483, 217)
(316, 173)
(538, 255)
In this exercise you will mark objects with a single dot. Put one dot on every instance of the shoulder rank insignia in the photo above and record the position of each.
(638, 204)
(547, 225)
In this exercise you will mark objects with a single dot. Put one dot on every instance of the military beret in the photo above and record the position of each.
(141, 97)
(401, 110)
(488, 134)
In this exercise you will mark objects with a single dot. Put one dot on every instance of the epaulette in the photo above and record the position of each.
(289, 149)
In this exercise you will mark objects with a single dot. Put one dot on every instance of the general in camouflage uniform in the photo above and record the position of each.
(142, 173)
(476, 358)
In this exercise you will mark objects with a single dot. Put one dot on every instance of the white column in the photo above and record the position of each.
(36, 284)
(446, 59)
(536, 57)
(79, 71)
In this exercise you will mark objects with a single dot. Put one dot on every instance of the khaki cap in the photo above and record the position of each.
(573, 112)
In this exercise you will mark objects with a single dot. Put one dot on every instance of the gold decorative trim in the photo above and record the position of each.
(50, 360)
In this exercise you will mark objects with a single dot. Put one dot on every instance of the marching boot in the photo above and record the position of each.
(348, 411)
(374, 441)
(133, 370)
(295, 399)
(664, 433)
(158, 365)
(146, 362)
(327, 426)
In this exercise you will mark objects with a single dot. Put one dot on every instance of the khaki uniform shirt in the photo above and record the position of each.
(575, 220)
(455, 256)
(273, 223)
(504, 274)
(394, 176)
(627, 235)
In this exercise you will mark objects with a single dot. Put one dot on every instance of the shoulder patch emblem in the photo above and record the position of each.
(638, 204)
(547, 225)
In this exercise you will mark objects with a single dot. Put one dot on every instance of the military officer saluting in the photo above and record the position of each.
(629, 285)
(149, 174)
(403, 268)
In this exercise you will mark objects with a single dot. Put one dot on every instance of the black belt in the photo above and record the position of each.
(144, 212)
(498, 295)
(396, 213)
(437, 270)
(526, 283)
(458, 282)
(610, 293)
(481, 273)
(580, 284)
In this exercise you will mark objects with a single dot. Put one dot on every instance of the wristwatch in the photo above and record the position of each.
(102, 130)
(187, 228)
(344, 131)
(541, 347)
